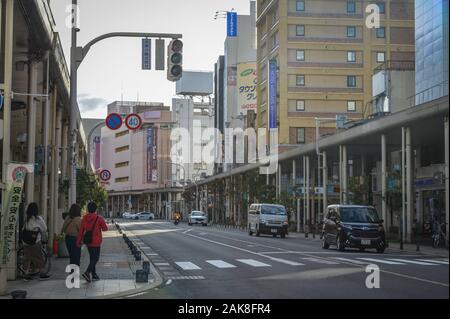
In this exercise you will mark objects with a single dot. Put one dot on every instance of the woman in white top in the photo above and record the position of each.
(33, 253)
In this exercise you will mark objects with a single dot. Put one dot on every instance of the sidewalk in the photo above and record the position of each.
(116, 268)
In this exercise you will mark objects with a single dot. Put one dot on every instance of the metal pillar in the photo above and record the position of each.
(169, 202)
(446, 132)
(341, 188)
(325, 182)
(409, 186)
(54, 189)
(403, 218)
(304, 195)
(308, 186)
(6, 156)
(31, 129)
(344, 174)
(383, 181)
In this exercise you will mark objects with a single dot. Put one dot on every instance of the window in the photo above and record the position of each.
(275, 41)
(351, 32)
(120, 134)
(300, 5)
(122, 164)
(351, 7)
(300, 105)
(382, 7)
(300, 55)
(122, 179)
(300, 30)
(351, 106)
(381, 32)
(301, 135)
(351, 56)
(381, 57)
(275, 17)
(300, 80)
(351, 81)
(122, 149)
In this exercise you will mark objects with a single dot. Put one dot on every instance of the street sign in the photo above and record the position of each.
(114, 121)
(105, 175)
(133, 122)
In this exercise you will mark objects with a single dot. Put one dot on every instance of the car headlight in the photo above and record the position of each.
(263, 221)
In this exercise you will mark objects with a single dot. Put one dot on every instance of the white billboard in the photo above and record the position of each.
(195, 83)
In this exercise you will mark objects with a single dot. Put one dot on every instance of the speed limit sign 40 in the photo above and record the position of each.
(133, 122)
(105, 175)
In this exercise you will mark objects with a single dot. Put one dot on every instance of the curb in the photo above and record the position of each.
(158, 282)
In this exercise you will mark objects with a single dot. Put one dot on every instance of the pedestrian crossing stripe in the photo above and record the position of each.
(413, 262)
(382, 261)
(220, 264)
(437, 261)
(253, 263)
(321, 261)
(287, 262)
(186, 277)
(186, 265)
(351, 261)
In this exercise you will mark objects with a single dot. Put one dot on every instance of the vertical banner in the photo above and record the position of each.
(273, 93)
(247, 80)
(152, 155)
(232, 24)
(146, 54)
(10, 208)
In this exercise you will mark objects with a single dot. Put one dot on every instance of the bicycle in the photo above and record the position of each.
(34, 272)
(439, 233)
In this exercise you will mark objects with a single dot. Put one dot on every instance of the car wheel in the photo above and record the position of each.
(340, 245)
(257, 231)
(325, 245)
(381, 249)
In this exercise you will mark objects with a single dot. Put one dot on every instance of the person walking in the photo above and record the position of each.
(90, 234)
(70, 229)
(33, 230)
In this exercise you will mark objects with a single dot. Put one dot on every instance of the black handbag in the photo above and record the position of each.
(29, 237)
(87, 238)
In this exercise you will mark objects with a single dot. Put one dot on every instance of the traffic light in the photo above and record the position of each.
(175, 60)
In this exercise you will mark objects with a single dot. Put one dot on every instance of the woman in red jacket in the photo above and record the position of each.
(94, 223)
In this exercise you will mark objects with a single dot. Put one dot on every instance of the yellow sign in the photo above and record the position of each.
(247, 80)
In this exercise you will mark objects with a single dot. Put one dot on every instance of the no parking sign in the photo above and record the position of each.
(105, 175)
(114, 121)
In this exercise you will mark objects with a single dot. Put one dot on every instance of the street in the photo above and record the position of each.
(213, 263)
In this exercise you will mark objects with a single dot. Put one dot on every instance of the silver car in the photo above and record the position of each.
(197, 217)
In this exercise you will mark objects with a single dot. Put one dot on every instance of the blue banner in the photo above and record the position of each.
(232, 24)
(273, 93)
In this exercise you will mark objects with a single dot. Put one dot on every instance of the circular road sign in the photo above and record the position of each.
(133, 122)
(114, 121)
(105, 175)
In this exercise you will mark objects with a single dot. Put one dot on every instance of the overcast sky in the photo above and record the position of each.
(116, 63)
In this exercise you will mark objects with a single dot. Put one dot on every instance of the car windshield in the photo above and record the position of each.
(273, 210)
(359, 215)
(197, 214)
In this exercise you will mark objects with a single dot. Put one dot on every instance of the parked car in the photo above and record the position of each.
(197, 217)
(354, 227)
(267, 219)
(126, 215)
(146, 216)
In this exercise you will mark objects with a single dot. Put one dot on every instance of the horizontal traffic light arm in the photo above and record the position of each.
(84, 51)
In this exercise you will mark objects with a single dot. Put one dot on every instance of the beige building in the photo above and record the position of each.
(326, 57)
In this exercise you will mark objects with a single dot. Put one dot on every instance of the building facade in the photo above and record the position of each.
(326, 57)
(432, 50)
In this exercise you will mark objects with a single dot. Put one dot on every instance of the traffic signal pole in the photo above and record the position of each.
(77, 56)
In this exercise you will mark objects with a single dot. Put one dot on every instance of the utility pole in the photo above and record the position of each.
(76, 58)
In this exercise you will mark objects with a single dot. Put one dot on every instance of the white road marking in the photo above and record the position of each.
(220, 264)
(186, 265)
(187, 231)
(351, 261)
(253, 263)
(382, 261)
(162, 264)
(434, 261)
(412, 262)
(203, 234)
(321, 261)
(287, 262)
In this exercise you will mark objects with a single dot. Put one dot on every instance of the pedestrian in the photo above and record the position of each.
(32, 236)
(90, 234)
(70, 229)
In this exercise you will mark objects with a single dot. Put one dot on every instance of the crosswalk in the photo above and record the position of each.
(305, 261)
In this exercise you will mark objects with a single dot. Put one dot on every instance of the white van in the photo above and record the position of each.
(267, 219)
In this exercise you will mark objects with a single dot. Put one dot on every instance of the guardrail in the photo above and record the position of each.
(430, 94)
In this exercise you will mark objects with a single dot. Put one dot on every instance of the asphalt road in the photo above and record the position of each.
(207, 263)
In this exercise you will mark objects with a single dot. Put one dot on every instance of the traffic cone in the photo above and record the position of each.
(55, 245)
